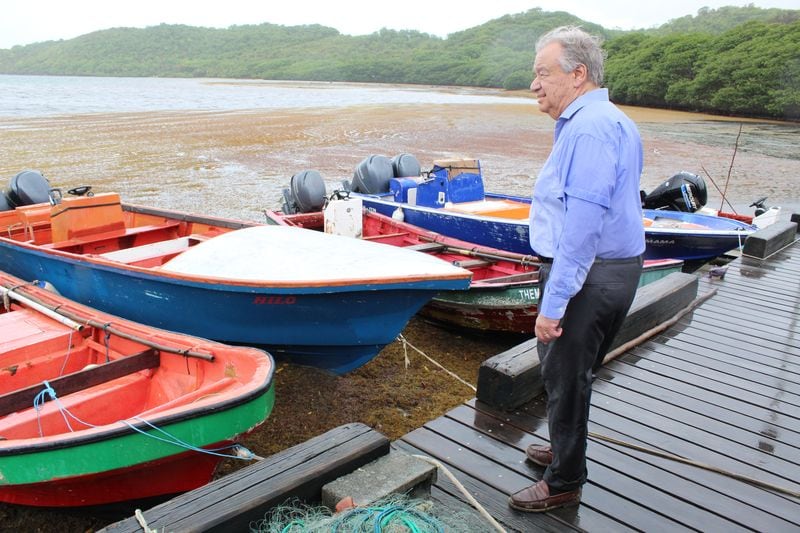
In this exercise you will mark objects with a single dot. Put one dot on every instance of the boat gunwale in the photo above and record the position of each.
(120, 429)
(238, 285)
(739, 227)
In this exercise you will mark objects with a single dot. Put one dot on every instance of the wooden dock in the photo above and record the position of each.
(720, 388)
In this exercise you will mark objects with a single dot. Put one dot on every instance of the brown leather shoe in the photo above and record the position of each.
(541, 455)
(537, 498)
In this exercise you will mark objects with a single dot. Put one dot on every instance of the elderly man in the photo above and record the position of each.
(586, 227)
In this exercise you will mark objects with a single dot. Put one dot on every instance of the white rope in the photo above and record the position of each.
(405, 342)
(463, 490)
(143, 522)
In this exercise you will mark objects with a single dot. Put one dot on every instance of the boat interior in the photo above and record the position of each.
(486, 268)
(102, 226)
(99, 377)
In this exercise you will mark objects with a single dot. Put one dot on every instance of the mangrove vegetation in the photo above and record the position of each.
(740, 61)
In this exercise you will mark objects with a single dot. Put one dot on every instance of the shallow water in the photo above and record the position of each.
(230, 147)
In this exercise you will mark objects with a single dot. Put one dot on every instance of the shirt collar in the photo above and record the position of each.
(595, 95)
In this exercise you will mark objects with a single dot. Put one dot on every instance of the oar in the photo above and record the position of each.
(78, 322)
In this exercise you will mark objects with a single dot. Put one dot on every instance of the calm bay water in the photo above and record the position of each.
(37, 96)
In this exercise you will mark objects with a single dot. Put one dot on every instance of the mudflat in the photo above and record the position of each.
(235, 163)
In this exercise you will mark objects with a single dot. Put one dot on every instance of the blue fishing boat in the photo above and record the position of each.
(316, 299)
(451, 200)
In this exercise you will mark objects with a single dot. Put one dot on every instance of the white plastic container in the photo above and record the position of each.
(343, 217)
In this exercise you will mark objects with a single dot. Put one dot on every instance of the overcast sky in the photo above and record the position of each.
(28, 21)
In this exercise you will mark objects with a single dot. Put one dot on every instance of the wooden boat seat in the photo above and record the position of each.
(426, 247)
(84, 245)
(23, 326)
(384, 236)
(83, 379)
(25, 422)
(209, 389)
(153, 250)
(472, 263)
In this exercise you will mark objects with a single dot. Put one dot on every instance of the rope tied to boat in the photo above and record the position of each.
(38, 403)
(107, 340)
(7, 293)
(429, 358)
(239, 451)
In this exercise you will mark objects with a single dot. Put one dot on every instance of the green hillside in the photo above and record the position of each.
(733, 60)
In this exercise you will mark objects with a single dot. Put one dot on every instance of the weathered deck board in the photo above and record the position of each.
(233, 501)
(720, 387)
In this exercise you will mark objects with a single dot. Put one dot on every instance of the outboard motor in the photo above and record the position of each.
(405, 166)
(682, 192)
(372, 175)
(306, 193)
(26, 188)
(760, 206)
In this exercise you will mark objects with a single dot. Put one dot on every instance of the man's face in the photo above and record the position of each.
(554, 88)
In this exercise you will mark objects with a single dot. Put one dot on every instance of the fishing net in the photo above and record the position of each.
(397, 514)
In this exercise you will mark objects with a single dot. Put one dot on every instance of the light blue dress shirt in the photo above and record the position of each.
(586, 202)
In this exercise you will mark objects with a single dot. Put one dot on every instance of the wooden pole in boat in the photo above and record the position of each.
(497, 255)
(730, 168)
(718, 189)
(68, 318)
(9, 293)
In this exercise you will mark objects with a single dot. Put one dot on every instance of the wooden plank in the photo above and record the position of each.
(646, 379)
(714, 419)
(472, 263)
(628, 479)
(233, 501)
(733, 340)
(724, 384)
(677, 436)
(513, 377)
(505, 470)
(81, 380)
(762, 370)
(767, 241)
(95, 238)
(427, 247)
(744, 503)
(495, 501)
(148, 251)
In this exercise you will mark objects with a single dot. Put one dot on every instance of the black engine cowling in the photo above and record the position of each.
(682, 192)
(306, 193)
(26, 188)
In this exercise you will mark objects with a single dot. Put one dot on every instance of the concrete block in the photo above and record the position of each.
(395, 473)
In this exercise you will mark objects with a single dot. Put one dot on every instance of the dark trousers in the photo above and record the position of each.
(592, 319)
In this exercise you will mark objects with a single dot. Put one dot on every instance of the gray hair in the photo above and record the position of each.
(580, 48)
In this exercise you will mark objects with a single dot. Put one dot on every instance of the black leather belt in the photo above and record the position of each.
(548, 260)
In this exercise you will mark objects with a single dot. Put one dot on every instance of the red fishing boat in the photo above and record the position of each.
(95, 409)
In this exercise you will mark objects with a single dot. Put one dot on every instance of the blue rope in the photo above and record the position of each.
(38, 403)
(39, 400)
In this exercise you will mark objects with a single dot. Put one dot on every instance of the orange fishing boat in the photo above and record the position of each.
(95, 409)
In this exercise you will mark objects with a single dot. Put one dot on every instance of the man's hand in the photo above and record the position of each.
(547, 329)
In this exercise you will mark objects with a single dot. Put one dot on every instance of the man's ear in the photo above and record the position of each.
(579, 75)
